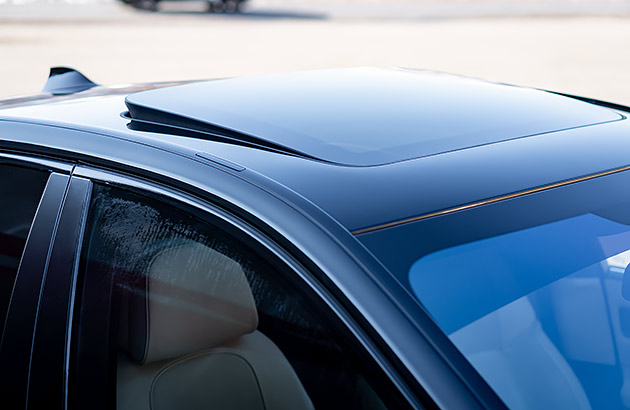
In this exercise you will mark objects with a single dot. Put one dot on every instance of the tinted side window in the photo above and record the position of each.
(20, 192)
(194, 317)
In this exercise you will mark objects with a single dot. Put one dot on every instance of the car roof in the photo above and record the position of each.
(508, 139)
(364, 116)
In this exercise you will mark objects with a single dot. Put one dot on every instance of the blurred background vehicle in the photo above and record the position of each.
(213, 6)
(562, 45)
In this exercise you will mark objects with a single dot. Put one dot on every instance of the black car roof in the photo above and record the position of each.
(369, 197)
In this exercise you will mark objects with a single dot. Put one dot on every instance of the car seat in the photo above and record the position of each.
(509, 348)
(188, 337)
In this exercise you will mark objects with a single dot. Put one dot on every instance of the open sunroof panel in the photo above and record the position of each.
(364, 116)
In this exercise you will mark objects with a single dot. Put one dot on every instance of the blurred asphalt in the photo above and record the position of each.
(578, 47)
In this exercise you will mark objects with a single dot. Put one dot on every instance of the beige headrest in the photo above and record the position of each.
(194, 298)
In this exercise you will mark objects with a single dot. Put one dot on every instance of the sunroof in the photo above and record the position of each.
(366, 116)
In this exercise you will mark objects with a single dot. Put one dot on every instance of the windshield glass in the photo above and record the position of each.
(539, 308)
(533, 291)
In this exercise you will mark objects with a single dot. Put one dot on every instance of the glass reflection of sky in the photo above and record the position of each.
(539, 312)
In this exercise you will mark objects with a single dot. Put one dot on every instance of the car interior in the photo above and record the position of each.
(548, 322)
(190, 335)
(198, 318)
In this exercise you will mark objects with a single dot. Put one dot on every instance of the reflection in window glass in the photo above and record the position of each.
(542, 313)
(191, 317)
(20, 192)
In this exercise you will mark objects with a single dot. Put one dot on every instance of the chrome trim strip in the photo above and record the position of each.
(489, 201)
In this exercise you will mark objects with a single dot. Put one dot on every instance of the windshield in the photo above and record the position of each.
(533, 292)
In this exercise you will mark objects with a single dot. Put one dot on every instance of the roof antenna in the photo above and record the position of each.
(65, 80)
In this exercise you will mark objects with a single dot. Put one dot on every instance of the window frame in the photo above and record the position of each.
(23, 309)
(412, 345)
(50, 348)
(304, 274)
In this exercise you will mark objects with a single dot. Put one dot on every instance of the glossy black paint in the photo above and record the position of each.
(50, 341)
(383, 193)
(310, 208)
(398, 248)
(15, 352)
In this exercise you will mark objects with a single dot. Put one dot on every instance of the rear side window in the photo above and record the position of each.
(20, 192)
(181, 309)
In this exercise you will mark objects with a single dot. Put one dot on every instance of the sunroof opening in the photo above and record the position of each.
(364, 116)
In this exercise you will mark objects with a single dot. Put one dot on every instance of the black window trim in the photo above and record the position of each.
(314, 284)
(35, 162)
(45, 223)
(48, 369)
(24, 305)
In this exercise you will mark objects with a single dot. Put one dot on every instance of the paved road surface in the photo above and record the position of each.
(586, 53)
